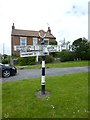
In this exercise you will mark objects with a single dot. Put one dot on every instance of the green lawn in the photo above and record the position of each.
(0, 100)
(58, 65)
(68, 98)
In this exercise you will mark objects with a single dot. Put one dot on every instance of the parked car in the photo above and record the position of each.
(7, 70)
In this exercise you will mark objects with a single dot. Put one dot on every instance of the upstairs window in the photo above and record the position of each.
(23, 42)
(35, 41)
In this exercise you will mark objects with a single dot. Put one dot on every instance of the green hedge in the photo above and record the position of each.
(26, 60)
(52, 42)
(66, 55)
(48, 59)
(5, 61)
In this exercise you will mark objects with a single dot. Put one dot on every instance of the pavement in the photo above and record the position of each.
(36, 73)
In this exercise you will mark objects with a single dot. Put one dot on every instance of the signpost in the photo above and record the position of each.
(38, 50)
(28, 47)
(33, 53)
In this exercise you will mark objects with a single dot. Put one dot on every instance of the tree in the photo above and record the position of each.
(81, 47)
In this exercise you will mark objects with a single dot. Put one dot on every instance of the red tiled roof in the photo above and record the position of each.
(29, 33)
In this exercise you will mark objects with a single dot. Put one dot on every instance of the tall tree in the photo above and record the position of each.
(81, 46)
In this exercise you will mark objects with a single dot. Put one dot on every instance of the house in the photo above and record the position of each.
(28, 37)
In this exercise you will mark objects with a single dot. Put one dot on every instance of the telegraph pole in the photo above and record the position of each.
(3, 50)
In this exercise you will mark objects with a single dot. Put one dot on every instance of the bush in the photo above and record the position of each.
(88, 54)
(5, 61)
(52, 42)
(66, 55)
(48, 59)
(40, 59)
(54, 54)
(26, 61)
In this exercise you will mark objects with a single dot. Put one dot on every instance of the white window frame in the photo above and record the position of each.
(35, 41)
(23, 40)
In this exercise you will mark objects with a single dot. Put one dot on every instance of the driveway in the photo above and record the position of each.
(36, 73)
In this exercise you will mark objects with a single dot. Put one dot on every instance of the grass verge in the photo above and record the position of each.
(68, 98)
(0, 99)
(57, 65)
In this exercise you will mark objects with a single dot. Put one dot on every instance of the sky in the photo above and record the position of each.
(67, 19)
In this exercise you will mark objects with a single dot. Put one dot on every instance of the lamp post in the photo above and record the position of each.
(42, 35)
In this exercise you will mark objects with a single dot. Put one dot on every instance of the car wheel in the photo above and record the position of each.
(6, 73)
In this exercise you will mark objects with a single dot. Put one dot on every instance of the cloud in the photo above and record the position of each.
(78, 9)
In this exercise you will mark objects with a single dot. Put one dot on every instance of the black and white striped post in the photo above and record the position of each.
(42, 35)
(43, 76)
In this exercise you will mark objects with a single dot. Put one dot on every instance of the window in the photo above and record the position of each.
(46, 41)
(23, 42)
(35, 41)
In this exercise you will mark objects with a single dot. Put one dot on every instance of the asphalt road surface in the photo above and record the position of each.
(36, 73)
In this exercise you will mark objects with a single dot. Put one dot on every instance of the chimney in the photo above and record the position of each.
(49, 30)
(13, 27)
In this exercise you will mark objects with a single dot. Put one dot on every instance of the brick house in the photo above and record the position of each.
(28, 37)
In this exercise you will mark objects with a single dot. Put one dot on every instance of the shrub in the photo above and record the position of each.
(54, 54)
(40, 59)
(48, 59)
(5, 61)
(26, 61)
(52, 42)
(66, 55)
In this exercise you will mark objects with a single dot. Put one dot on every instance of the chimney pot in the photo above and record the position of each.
(49, 30)
(13, 27)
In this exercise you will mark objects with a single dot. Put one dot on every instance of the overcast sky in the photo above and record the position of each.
(67, 18)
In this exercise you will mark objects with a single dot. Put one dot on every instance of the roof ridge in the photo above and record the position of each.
(34, 33)
(26, 30)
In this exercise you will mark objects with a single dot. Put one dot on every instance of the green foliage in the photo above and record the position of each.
(52, 42)
(15, 56)
(81, 47)
(5, 61)
(66, 55)
(48, 59)
(40, 59)
(88, 54)
(26, 61)
(54, 54)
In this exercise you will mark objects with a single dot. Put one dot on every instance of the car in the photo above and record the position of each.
(7, 70)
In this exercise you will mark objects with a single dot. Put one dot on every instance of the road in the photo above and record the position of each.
(36, 73)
